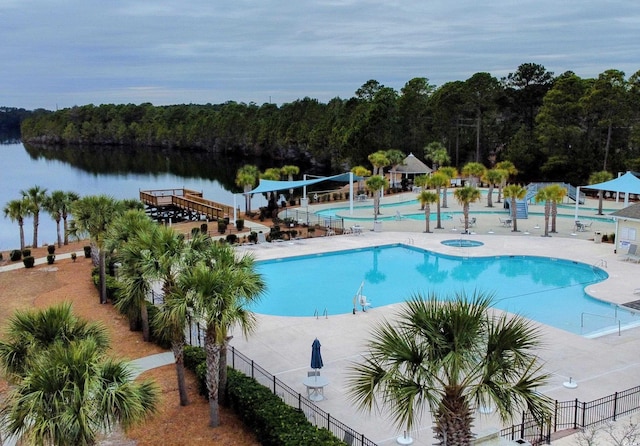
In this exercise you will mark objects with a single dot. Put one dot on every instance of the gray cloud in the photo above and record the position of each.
(77, 52)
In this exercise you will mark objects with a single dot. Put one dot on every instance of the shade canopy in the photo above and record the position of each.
(316, 356)
(272, 185)
(627, 183)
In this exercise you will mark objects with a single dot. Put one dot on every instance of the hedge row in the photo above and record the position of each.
(272, 421)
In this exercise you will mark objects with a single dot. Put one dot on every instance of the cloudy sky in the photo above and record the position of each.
(74, 52)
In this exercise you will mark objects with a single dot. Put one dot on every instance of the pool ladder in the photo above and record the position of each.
(410, 241)
(601, 263)
(325, 313)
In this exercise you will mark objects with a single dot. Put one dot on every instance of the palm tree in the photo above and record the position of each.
(452, 355)
(438, 180)
(69, 391)
(426, 198)
(378, 160)
(493, 177)
(17, 210)
(360, 171)
(600, 177)
(511, 171)
(437, 153)
(451, 173)
(69, 198)
(220, 290)
(53, 205)
(514, 192)
(35, 198)
(374, 185)
(544, 194)
(92, 216)
(474, 171)
(465, 196)
(247, 178)
(556, 194)
(290, 171)
(128, 236)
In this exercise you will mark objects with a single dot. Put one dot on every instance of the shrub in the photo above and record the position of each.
(73, 256)
(232, 239)
(204, 228)
(1, 257)
(51, 249)
(26, 252)
(29, 261)
(51, 258)
(240, 224)
(222, 226)
(87, 251)
(15, 255)
(253, 237)
(161, 339)
(195, 231)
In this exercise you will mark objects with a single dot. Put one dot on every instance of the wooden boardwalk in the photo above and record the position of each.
(182, 204)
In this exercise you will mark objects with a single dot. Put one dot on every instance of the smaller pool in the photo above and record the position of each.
(462, 243)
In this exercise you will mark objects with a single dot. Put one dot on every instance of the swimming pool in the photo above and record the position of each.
(547, 290)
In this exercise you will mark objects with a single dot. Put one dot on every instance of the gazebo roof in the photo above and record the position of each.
(411, 164)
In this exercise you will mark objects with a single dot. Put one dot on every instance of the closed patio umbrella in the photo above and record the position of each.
(316, 356)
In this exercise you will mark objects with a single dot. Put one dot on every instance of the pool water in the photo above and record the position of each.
(547, 290)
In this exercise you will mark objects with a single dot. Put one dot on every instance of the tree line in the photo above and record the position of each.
(548, 125)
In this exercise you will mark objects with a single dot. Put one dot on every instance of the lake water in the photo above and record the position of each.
(114, 171)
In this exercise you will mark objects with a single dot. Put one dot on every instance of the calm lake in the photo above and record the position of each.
(120, 173)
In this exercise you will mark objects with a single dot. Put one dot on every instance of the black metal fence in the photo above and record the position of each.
(575, 415)
(314, 414)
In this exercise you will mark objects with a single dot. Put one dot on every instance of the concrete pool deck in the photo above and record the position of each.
(600, 366)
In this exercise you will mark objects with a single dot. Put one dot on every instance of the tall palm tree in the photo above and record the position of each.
(544, 195)
(556, 194)
(474, 171)
(450, 356)
(493, 177)
(451, 173)
(511, 171)
(426, 198)
(70, 391)
(375, 185)
(53, 205)
(514, 192)
(290, 171)
(92, 216)
(17, 210)
(437, 153)
(378, 160)
(600, 177)
(465, 196)
(220, 290)
(438, 180)
(69, 198)
(247, 178)
(362, 172)
(127, 237)
(35, 197)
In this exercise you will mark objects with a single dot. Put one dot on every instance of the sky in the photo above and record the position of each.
(57, 54)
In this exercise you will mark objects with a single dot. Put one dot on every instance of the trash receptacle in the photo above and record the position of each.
(598, 237)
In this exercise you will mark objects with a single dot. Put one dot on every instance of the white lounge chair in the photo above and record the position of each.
(364, 303)
(632, 254)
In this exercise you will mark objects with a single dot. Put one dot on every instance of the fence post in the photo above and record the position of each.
(274, 385)
(522, 425)
(299, 401)
(615, 405)
(328, 421)
(252, 371)
(233, 358)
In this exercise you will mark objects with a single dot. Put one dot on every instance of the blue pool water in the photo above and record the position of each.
(547, 290)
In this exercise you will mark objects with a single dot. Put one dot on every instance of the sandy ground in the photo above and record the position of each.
(65, 280)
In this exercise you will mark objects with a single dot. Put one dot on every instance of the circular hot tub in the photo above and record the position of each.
(462, 243)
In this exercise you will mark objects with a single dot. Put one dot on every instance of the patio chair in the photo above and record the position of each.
(632, 254)
(506, 222)
(313, 373)
(364, 303)
(586, 226)
(399, 216)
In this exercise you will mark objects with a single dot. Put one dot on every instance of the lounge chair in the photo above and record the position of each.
(632, 254)
(506, 222)
(364, 303)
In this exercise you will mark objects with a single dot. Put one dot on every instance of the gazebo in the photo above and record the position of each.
(409, 166)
